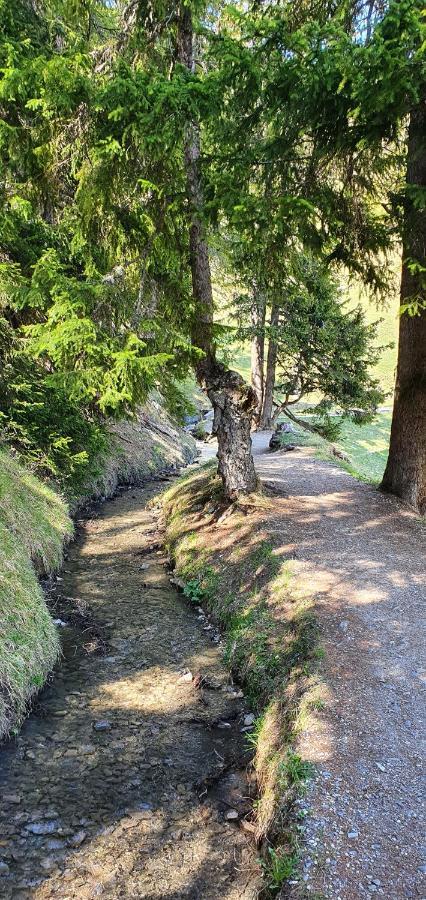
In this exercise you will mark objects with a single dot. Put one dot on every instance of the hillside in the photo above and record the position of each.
(34, 524)
(137, 448)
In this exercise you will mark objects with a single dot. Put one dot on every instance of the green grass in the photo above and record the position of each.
(34, 523)
(387, 331)
(365, 445)
(194, 396)
(278, 867)
(240, 360)
(281, 863)
(270, 642)
(34, 513)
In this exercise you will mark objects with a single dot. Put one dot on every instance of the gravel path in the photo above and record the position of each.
(361, 556)
(129, 780)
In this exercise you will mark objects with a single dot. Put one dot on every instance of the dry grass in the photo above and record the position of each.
(34, 523)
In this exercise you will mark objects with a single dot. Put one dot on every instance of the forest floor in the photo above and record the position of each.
(129, 778)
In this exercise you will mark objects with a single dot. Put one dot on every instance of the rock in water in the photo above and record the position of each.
(103, 725)
(43, 827)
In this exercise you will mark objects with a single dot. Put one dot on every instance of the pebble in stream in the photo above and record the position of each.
(120, 783)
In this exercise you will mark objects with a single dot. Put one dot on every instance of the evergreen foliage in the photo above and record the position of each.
(301, 110)
(324, 347)
(88, 275)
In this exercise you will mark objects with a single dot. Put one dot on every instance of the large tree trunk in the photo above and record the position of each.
(405, 473)
(258, 312)
(233, 401)
(266, 419)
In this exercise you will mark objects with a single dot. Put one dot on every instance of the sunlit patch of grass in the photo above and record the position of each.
(35, 514)
(365, 445)
(34, 523)
(313, 700)
(278, 866)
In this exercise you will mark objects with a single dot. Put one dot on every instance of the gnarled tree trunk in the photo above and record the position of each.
(266, 419)
(258, 312)
(233, 401)
(405, 473)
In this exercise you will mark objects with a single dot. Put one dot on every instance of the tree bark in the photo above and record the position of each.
(233, 401)
(258, 312)
(266, 419)
(405, 473)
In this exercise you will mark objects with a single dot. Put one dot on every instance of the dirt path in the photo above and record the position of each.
(120, 784)
(361, 556)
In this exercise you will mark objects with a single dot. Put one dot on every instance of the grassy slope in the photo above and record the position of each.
(34, 522)
(365, 445)
(233, 566)
(137, 449)
(387, 331)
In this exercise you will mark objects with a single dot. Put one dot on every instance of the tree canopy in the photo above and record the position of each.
(134, 137)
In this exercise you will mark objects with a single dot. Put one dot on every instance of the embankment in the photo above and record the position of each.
(34, 525)
(230, 560)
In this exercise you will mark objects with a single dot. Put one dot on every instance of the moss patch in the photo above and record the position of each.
(34, 523)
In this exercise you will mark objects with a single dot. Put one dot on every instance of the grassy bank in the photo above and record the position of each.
(230, 562)
(366, 446)
(34, 523)
(140, 447)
